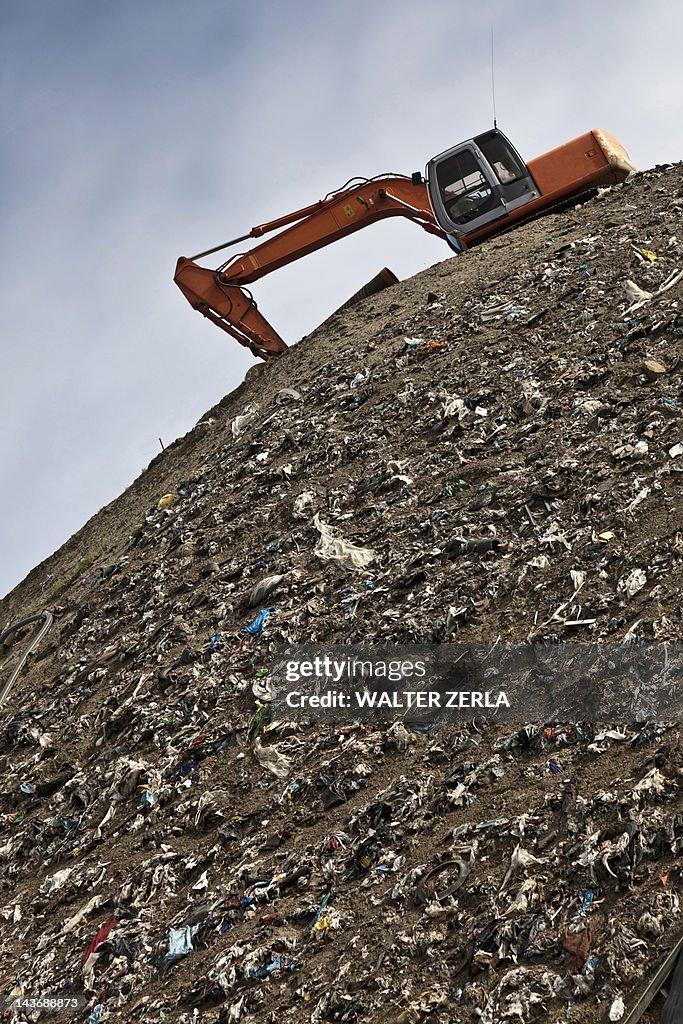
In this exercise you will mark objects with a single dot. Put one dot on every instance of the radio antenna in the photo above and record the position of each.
(493, 83)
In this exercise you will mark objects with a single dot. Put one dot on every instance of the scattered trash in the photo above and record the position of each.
(286, 395)
(180, 943)
(263, 589)
(653, 368)
(272, 759)
(332, 548)
(461, 546)
(255, 628)
(636, 294)
(504, 468)
(248, 416)
(633, 583)
(359, 379)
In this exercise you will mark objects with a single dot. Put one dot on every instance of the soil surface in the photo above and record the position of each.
(490, 453)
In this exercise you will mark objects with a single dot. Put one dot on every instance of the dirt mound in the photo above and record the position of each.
(502, 436)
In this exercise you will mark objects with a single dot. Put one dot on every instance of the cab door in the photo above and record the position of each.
(477, 182)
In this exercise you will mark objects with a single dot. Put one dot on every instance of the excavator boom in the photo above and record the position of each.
(220, 294)
(469, 193)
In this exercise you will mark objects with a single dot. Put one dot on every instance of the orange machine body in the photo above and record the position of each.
(589, 161)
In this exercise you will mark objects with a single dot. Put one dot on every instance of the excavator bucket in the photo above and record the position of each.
(229, 306)
(378, 283)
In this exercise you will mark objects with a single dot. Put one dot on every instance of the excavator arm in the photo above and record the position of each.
(222, 295)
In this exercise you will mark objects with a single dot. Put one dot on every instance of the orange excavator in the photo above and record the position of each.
(468, 193)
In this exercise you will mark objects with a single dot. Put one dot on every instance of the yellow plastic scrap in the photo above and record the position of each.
(606, 536)
(166, 500)
(648, 254)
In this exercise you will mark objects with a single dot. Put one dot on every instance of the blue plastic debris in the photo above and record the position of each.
(180, 943)
(147, 799)
(587, 900)
(255, 628)
(278, 963)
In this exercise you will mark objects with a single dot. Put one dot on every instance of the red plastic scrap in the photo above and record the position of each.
(578, 943)
(102, 934)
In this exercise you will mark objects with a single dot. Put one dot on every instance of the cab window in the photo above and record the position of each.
(506, 166)
(464, 189)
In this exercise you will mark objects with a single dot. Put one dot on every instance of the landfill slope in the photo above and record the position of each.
(170, 853)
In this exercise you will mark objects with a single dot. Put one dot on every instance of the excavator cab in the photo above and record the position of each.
(477, 182)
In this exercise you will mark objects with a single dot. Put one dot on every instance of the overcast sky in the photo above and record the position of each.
(134, 132)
